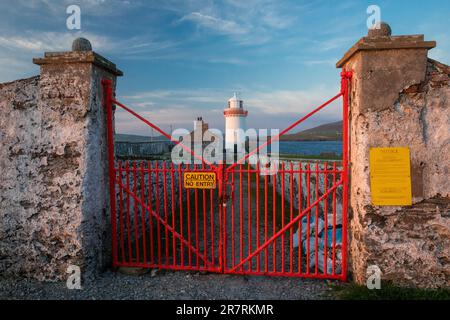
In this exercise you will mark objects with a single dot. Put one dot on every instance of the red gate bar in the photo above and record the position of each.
(151, 230)
(346, 77)
(282, 230)
(107, 102)
(139, 204)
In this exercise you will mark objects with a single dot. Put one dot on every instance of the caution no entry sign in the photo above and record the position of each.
(200, 180)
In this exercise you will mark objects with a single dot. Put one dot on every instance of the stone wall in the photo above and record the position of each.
(144, 183)
(315, 181)
(308, 175)
(53, 187)
(399, 98)
(20, 129)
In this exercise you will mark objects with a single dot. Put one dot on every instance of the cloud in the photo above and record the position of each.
(214, 23)
(233, 61)
(259, 24)
(252, 22)
(315, 62)
(283, 107)
(442, 51)
(179, 108)
(57, 8)
(38, 42)
(192, 98)
(13, 68)
(333, 43)
(23, 46)
(17, 51)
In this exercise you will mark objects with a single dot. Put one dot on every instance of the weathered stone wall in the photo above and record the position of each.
(20, 129)
(53, 187)
(316, 181)
(312, 175)
(144, 183)
(400, 99)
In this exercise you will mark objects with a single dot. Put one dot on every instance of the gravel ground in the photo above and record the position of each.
(171, 286)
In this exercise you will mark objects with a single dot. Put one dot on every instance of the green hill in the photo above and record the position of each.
(326, 132)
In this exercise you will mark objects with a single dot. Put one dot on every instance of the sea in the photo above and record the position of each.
(310, 147)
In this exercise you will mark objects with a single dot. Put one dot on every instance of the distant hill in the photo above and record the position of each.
(136, 138)
(326, 132)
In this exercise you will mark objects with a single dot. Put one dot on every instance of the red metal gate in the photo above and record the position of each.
(287, 220)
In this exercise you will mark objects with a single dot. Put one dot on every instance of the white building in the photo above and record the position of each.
(235, 124)
(201, 136)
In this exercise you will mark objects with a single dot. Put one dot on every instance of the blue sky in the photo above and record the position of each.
(183, 59)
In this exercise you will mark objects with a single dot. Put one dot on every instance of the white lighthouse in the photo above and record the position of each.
(235, 126)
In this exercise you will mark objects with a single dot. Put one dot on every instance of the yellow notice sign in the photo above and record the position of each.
(390, 176)
(200, 180)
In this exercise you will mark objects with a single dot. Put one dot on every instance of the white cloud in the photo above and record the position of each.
(251, 22)
(233, 61)
(180, 107)
(333, 43)
(56, 8)
(39, 42)
(23, 46)
(13, 68)
(17, 51)
(214, 23)
(442, 51)
(290, 101)
(327, 62)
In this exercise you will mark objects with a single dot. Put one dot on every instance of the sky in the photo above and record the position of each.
(184, 59)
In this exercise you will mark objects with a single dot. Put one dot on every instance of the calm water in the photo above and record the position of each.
(310, 147)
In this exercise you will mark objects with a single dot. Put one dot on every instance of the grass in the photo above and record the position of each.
(387, 292)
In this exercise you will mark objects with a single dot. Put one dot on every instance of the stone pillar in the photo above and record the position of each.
(400, 98)
(63, 181)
